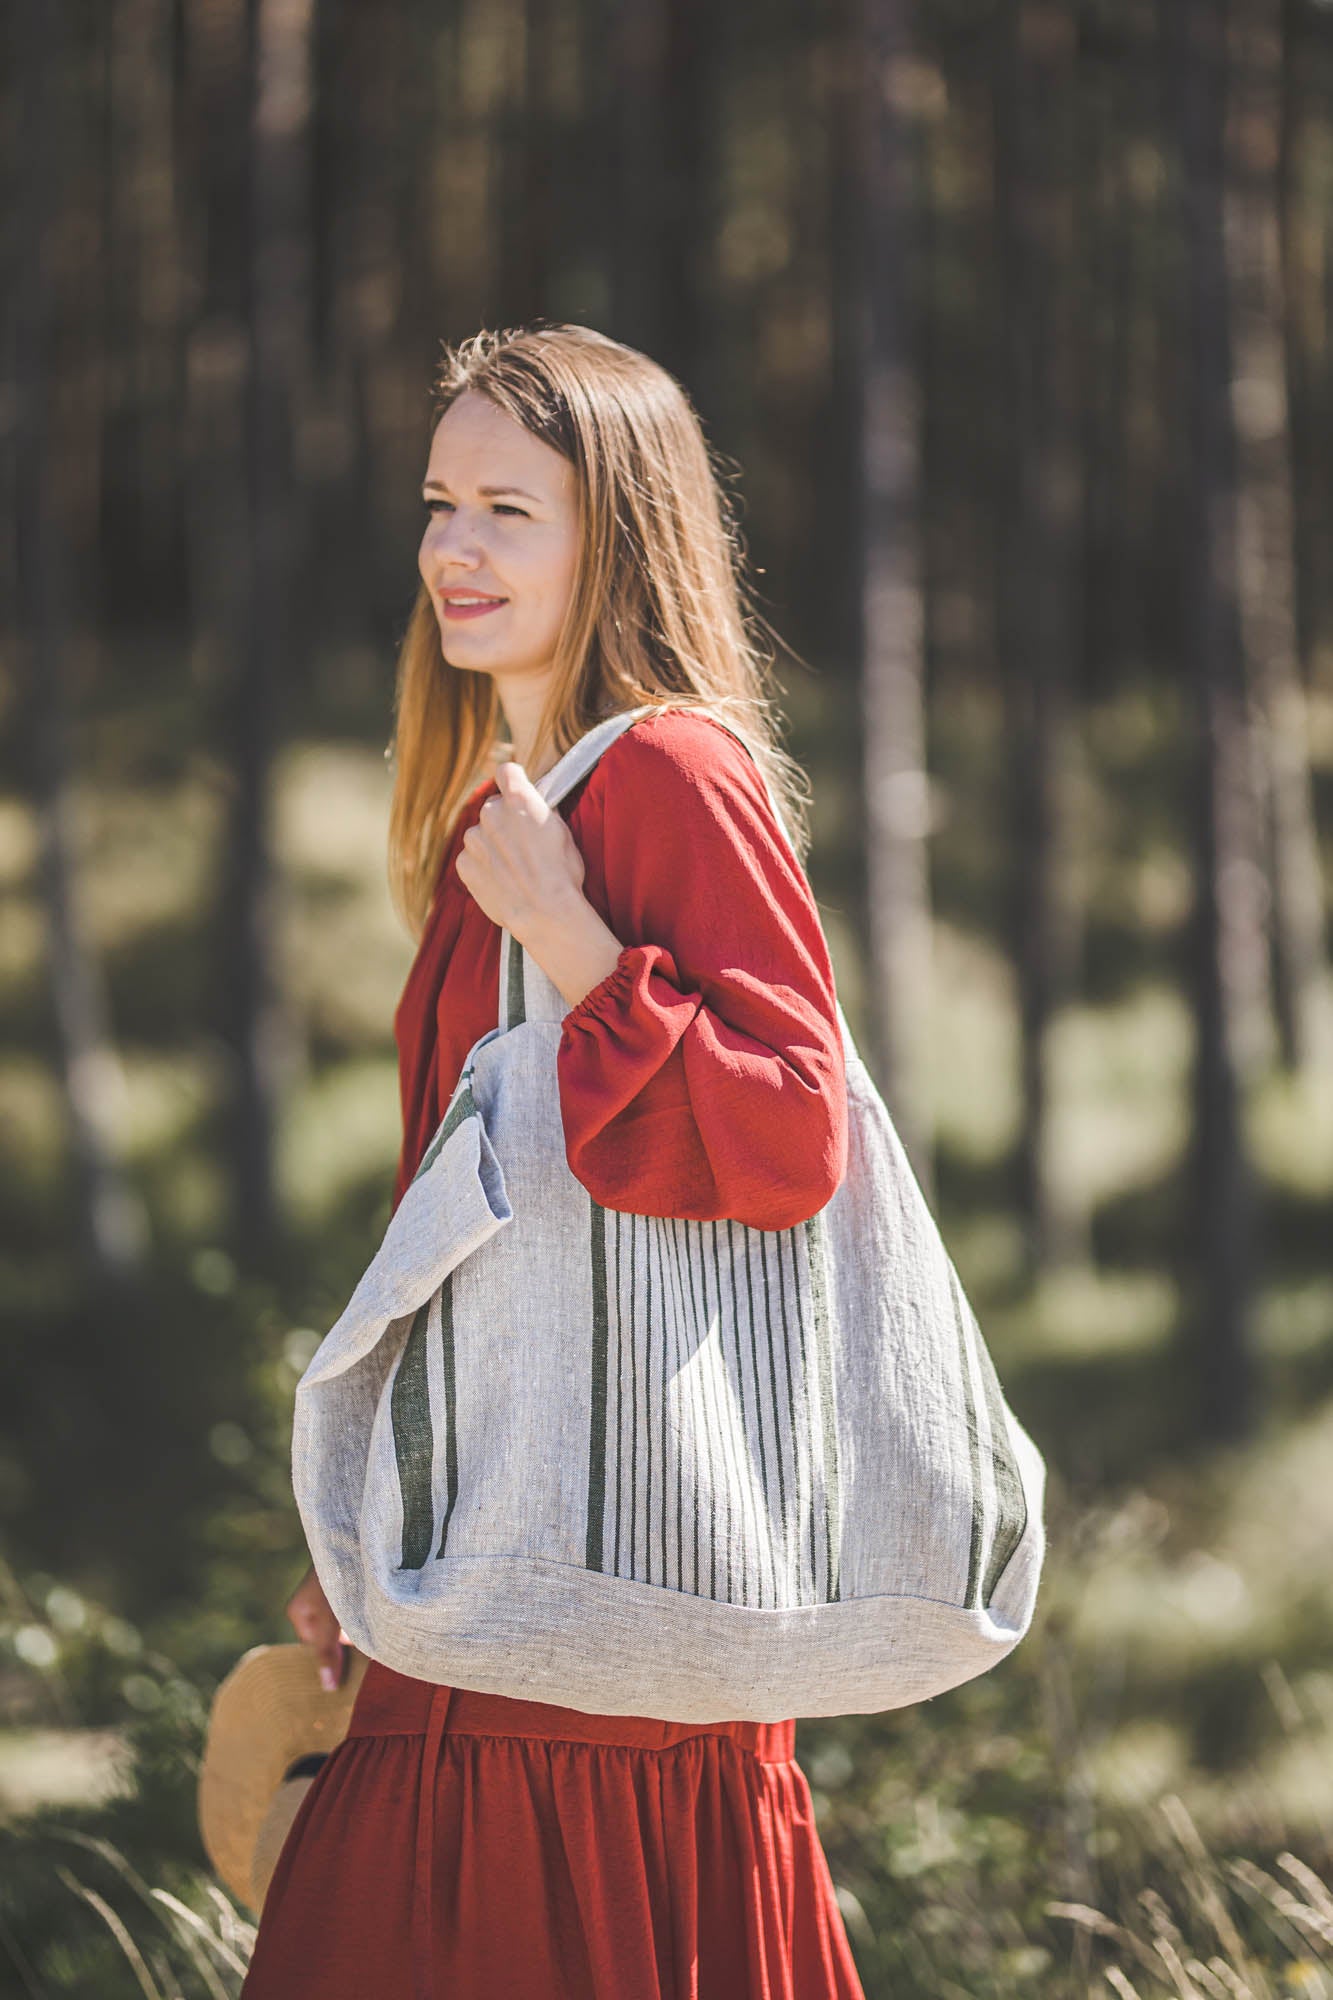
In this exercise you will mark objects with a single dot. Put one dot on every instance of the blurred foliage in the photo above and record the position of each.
(1181, 1647)
(1140, 1800)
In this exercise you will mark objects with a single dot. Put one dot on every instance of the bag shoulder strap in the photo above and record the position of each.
(580, 757)
(563, 775)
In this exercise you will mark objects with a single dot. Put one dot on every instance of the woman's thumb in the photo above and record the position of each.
(330, 1657)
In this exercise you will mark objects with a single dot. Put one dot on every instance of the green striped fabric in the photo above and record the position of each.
(414, 1441)
(995, 1470)
(713, 1455)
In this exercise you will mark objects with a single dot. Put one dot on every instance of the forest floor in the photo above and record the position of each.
(1138, 1801)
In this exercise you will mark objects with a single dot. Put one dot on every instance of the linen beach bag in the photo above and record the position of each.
(634, 1464)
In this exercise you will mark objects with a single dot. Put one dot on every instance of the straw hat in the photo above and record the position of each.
(269, 1714)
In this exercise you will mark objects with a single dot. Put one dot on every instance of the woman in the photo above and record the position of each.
(579, 559)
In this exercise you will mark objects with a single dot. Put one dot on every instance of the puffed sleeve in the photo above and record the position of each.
(703, 1077)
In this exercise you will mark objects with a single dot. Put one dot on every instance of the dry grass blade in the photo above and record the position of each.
(164, 1973)
(154, 1898)
(231, 1923)
(1283, 1697)
(1208, 1979)
(1174, 1964)
(97, 1843)
(1251, 1882)
(1312, 1922)
(1314, 1885)
(1096, 1920)
(1176, 1814)
(1116, 1979)
(1203, 1880)
(111, 1854)
(1231, 1979)
(1079, 1913)
(196, 1922)
(189, 1945)
(151, 1990)
(1160, 1916)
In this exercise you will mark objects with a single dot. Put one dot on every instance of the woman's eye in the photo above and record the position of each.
(500, 508)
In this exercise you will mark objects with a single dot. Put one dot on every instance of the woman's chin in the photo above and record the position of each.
(475, 665)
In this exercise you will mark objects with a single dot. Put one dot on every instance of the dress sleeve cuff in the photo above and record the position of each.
(615, 985)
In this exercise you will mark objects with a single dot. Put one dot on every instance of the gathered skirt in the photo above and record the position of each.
(464, 1846)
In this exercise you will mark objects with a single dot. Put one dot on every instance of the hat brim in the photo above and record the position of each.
(268, 1711)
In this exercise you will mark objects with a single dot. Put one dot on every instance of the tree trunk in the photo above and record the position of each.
(635, 189)
(1307, 283)
(837, 533)
(111, 1224)
(892, 694)
(1226, 943)
(1039, 576)
(663, 71)
(261, 1031)
(536, 221)
(1266, 556)
(1117, 235)
(375, 197)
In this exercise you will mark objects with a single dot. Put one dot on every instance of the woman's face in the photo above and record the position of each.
(503, 525)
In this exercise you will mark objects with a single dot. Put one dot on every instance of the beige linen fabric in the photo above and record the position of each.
(643, 1465)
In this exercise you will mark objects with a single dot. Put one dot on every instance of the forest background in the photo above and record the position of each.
(1011, 322)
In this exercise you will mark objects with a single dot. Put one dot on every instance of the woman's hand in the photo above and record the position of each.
(521, 863)
(317, 1626)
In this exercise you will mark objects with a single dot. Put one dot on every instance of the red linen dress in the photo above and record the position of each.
(483, 1848)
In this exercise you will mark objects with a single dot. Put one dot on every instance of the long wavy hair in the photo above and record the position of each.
(659, 615)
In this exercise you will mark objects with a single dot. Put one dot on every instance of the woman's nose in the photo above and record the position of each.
(453, 536)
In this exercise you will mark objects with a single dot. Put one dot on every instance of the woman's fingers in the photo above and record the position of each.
(331, 1658)
(518, 859)
(316, 1625)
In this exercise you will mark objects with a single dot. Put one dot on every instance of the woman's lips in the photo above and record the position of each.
(470, 610)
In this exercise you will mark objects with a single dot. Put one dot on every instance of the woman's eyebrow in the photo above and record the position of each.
(486, 492)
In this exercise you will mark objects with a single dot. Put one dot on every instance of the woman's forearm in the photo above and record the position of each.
(573, 947)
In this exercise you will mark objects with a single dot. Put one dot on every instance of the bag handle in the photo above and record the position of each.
(576, 762)
(562, 777)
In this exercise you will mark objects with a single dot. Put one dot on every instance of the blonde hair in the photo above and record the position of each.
(659, 614)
